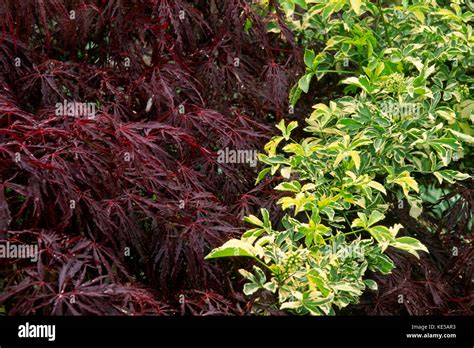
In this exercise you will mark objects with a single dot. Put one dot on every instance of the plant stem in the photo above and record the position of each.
(263, 264)
(345, 234)
(381, 14)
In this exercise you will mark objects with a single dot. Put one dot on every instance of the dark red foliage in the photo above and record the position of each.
(440, 283)
(73, 275)
(125, 205)
(426, 287)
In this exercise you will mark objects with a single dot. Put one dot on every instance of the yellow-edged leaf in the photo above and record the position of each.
(356, 6)
(378, 186)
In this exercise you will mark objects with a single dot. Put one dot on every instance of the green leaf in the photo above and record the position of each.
(450, 176)
(275, 160)
(462, 136)
(304, 82)
(251, 288)
(334, 40)
(361, 82)
(308, 187)
(315, 279)
(410, 245)
(349, 123)
(360, 142)
(416, 207)
(355, 157)
(290, 305)
(265, 216)
(288, 7)
(295, 94)
(309, 58)
(420, 16)
(291, 126)
(356, 6)
(281, 126)
(257, 280)
(251, 235)
(293, 186)
(301, 3)
(300, 202)
(361, 221)
(262, 175)
(286, 130)
(247, 275)
(312, 302)
(416, 62)
(405, 181)
(233, 247)
(294, 148)
(271, 286)
(446, 142)
(394, 229)
(252, 219)
(382, 263)
(371, 284)
(377, 186)
(375, 217)
(313, 233)
(382, 235)
(273, 27)
(347, 287)
(285, 172)
(271, 146)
